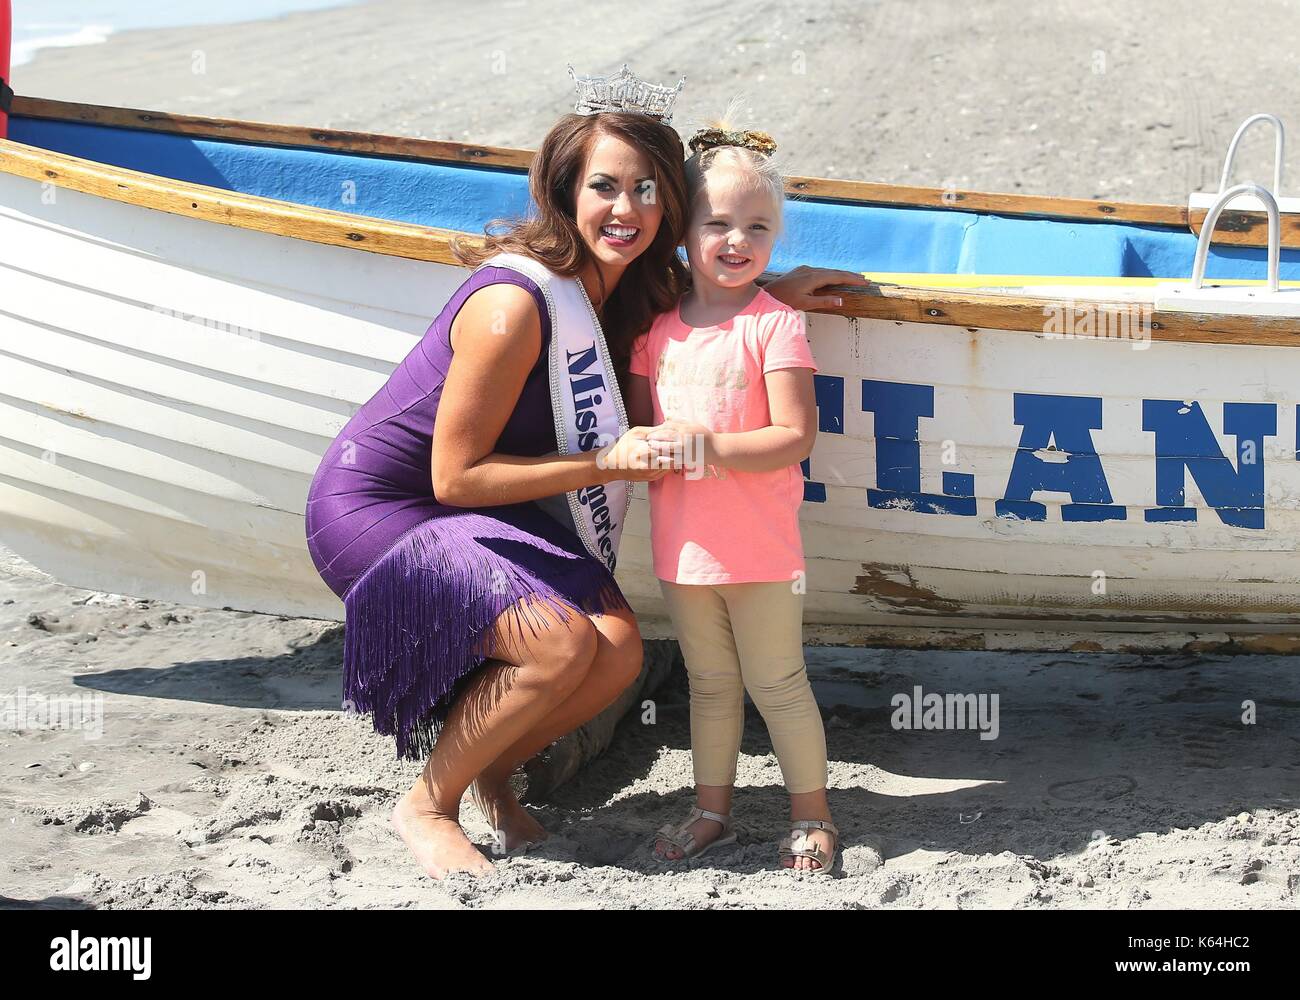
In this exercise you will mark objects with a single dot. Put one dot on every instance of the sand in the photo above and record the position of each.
(1110, 99)
(225, 774)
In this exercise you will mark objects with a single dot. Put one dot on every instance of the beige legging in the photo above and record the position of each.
(739, 637)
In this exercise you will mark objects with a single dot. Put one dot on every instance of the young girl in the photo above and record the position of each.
(731, 373)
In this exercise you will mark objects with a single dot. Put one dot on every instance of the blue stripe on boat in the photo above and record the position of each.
(829, 234)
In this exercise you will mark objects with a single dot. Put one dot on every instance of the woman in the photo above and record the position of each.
(475, 613)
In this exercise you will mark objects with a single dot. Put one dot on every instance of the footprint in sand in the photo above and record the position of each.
(1106, 788)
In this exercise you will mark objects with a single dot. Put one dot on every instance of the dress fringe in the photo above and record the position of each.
(418, 622)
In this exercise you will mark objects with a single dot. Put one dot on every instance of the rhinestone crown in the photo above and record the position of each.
(624, 92)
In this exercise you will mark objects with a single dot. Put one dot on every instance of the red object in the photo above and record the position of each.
(6, 35)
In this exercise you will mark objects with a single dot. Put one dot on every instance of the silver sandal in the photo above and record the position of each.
(681, 838)
(797, 845)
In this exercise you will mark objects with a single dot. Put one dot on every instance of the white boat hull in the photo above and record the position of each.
(167, 386)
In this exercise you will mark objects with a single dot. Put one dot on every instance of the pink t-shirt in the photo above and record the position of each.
(729, 526)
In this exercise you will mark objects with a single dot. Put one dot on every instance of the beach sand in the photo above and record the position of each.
(1112, 99)
(225, 774)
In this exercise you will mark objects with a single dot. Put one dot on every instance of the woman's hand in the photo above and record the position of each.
(633, 458)
(798, 288)
(496, 339)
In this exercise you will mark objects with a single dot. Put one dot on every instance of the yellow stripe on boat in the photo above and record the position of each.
(924, 280)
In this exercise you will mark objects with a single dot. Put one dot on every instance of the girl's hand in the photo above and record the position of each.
(798, 288)
(672, 429)
(690, 444)
(633, 458)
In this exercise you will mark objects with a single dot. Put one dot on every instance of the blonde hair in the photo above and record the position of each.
(756, 170)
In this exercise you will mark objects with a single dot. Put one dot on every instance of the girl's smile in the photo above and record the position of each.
(732, 230)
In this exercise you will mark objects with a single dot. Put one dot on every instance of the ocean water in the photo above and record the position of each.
(51, 23)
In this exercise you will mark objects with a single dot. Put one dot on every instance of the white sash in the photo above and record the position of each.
(586, 403)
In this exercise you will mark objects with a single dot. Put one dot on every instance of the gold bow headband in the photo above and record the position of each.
(710, 138)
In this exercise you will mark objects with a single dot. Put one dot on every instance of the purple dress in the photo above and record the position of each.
(422, 582)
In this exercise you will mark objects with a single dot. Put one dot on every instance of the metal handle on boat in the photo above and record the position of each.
(1279, 151)
(1212, 220)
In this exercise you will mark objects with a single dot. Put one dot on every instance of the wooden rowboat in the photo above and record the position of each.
(1033, 432)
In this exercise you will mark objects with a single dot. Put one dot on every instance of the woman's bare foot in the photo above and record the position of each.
(436, 839)
(513, 826)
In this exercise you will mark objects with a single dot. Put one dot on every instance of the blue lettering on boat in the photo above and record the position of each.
(830, 420)
(1071, 421)
(899, 407)
(1183, 444)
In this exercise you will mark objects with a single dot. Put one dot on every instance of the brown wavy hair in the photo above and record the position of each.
(655, 280)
